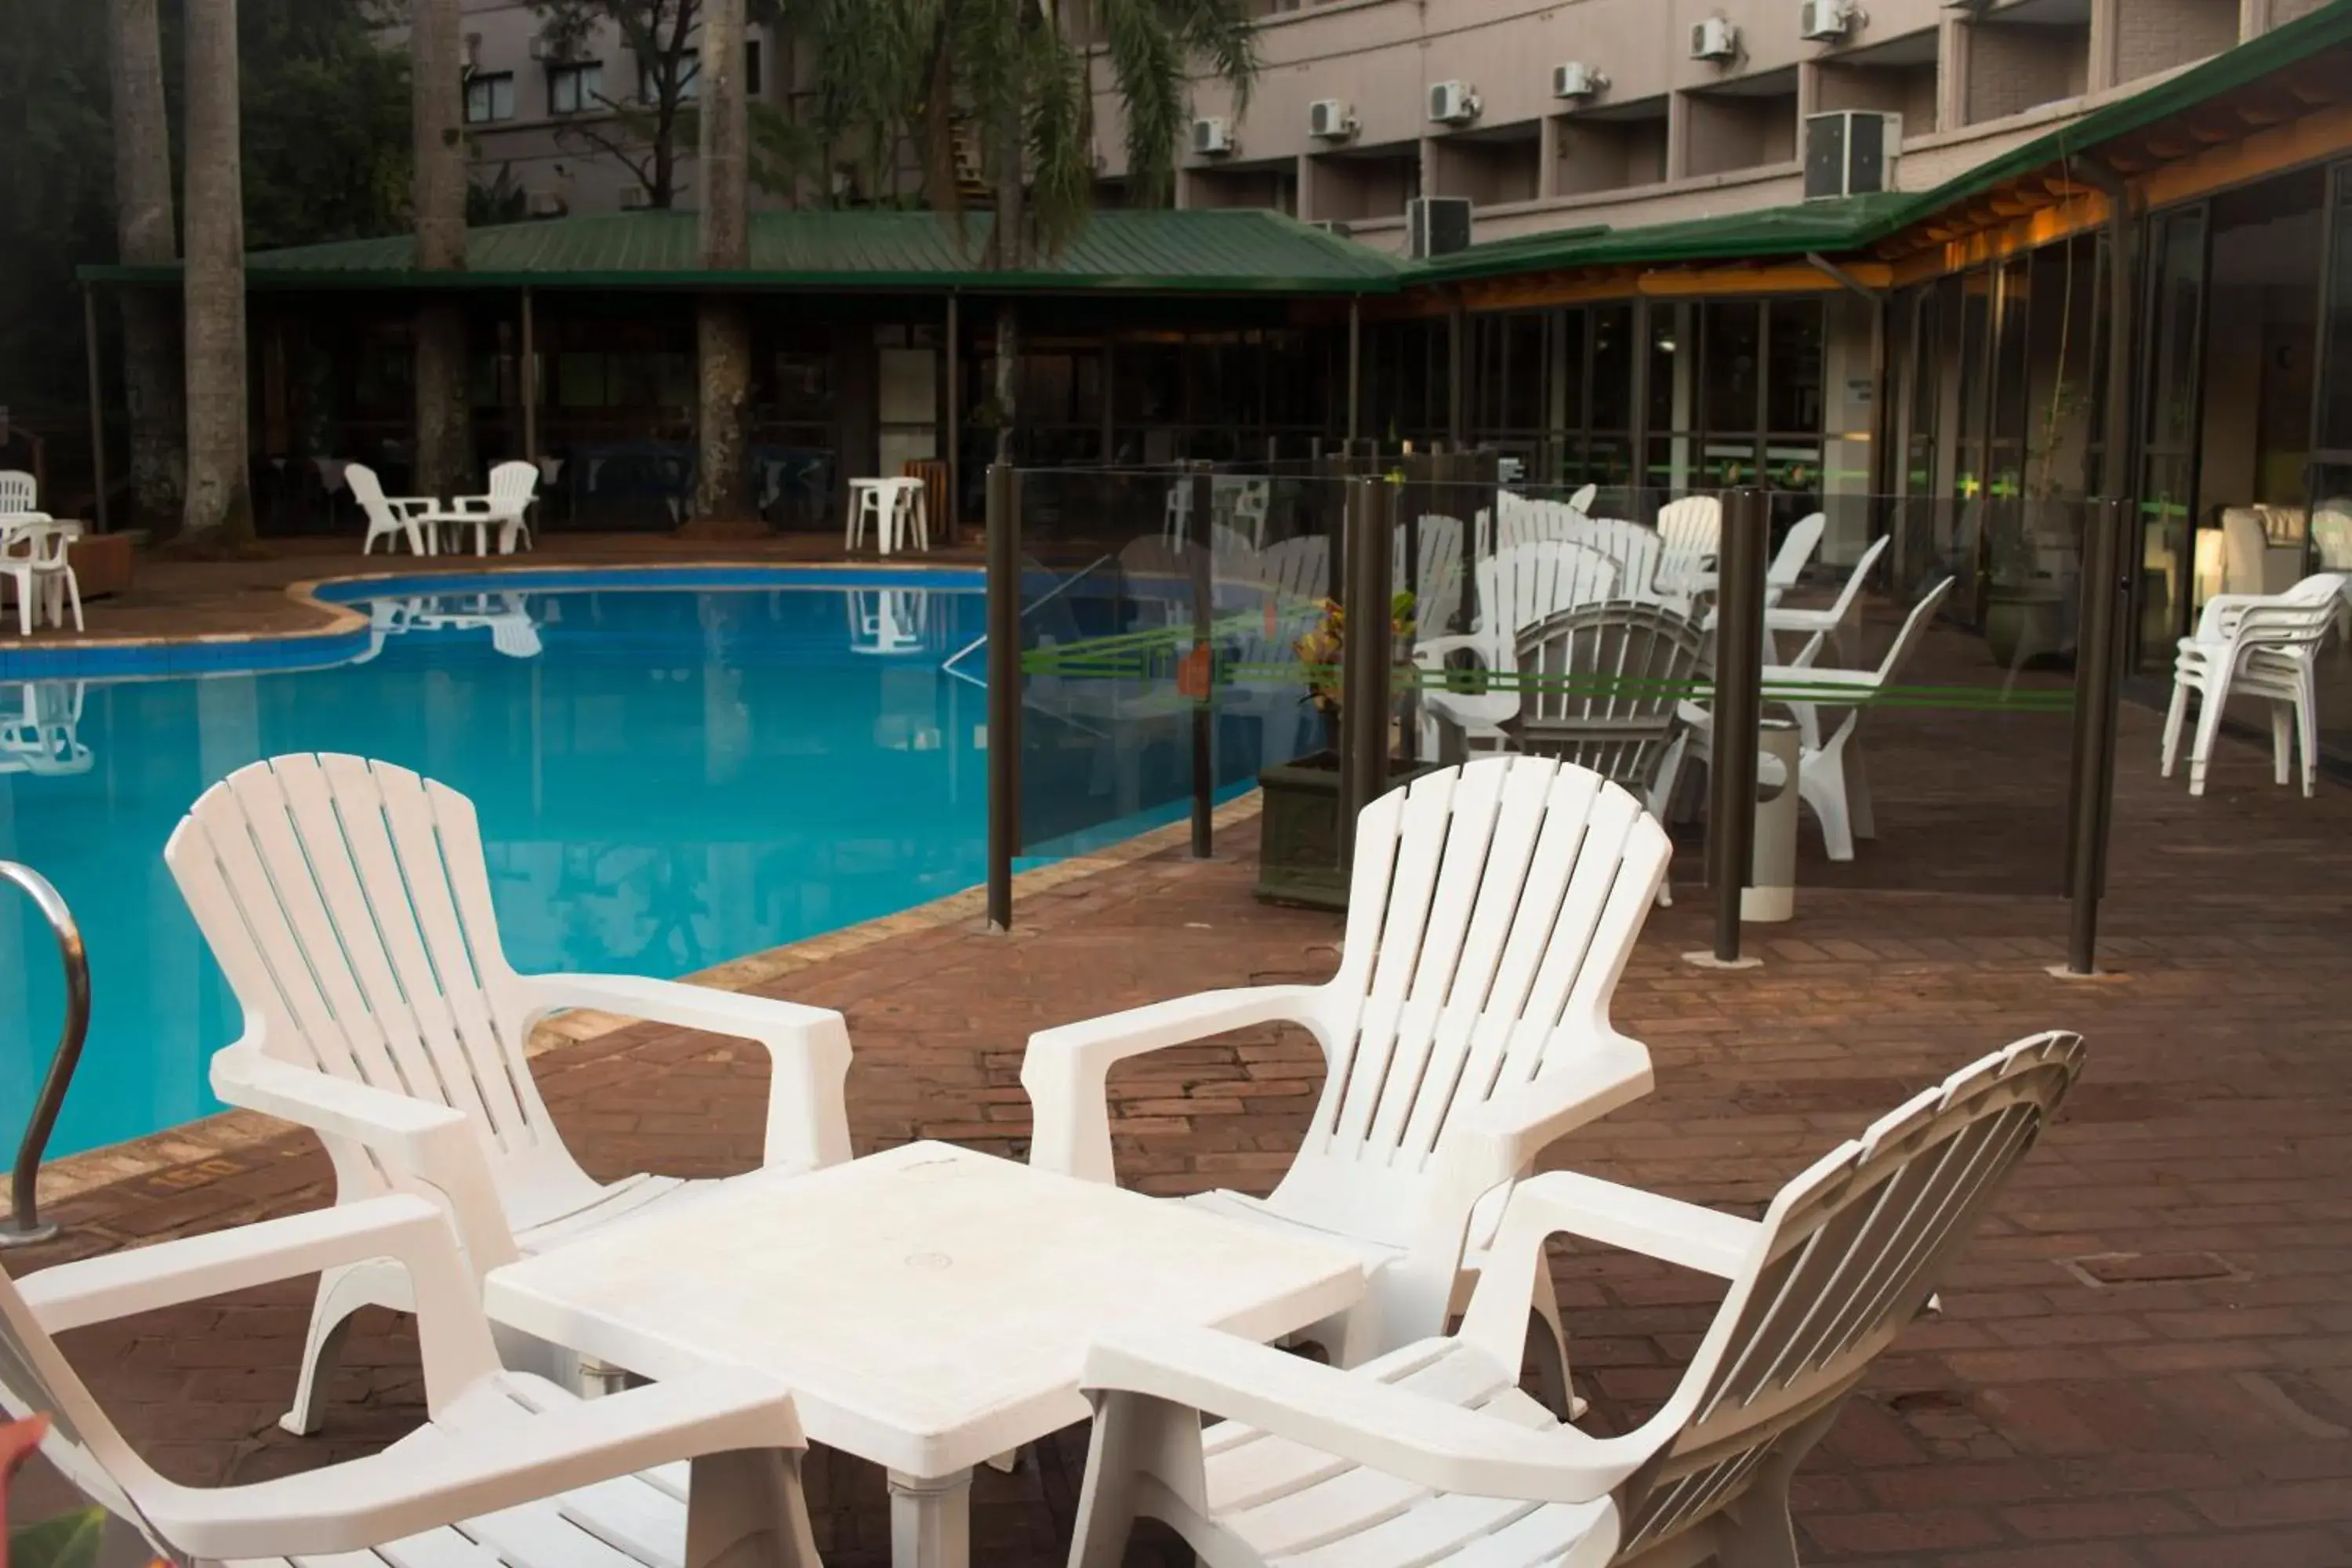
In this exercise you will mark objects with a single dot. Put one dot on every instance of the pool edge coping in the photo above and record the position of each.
(227, 1133)
(344, 630)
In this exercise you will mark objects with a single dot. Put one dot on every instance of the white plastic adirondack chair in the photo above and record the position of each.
(2260, 646)
(1517, 588)
(513, 487)
(1830, 620)
(1437, 599)
(1690, 532)
(1797, 549)
(1431, 1455)
(1603, 689)
(390, 518)
(509, 1470)
(348, 904)
(1491, 910)
(1831, 778)
(1636, 549)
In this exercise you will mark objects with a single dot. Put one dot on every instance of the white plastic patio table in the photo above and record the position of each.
(930, 1307)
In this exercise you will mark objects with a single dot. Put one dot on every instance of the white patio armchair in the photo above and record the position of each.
(2260, 646)
(508, 1470)
(1431, 1454)
(1492, 909)
(1690, 533)
(394, 519)
(37, 562)
(1827, 620)
(513, 487)
(1518, 588)
(348, 904)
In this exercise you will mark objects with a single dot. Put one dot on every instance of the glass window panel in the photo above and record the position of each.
(1570, 363)
(1612, 328)
(1523, 385)
(1732, 364)
(2335, 420)
(1793, 389)
(1673, 357)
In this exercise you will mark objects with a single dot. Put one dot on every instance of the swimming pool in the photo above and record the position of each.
(665, 780)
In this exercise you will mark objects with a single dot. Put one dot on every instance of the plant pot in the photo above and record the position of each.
(2022, 626)
(1298, 837)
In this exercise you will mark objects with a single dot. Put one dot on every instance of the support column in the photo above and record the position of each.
(2107, 20)
(1548, 130)
(1456, 367)
(955, 413)
(1952, 39)
(526, 374)
(97, 402)
(1355, 368)
(1678, 135)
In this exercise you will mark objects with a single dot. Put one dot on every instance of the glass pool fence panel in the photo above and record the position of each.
(1128, 710)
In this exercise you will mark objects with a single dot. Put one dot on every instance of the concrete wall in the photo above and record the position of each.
(2019, 68)
(1740, 131)
(2158, 35)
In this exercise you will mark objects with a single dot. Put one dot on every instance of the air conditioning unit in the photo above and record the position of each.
(1212, 136)
(635, 199)
(1851, 152)
(1824, 21)
(1330, 120)
(1453, 102)
(1715, 39)
(1436, 225)
(1576, 80)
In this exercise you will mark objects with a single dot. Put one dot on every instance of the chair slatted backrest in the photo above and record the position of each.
(514, 483)
(1797, 548)
(1289, 581)
(348, 904)
(18, 492)
(1898, 652)
(1601, 687)
(1858, 577)
(1437, 586)
(368, 490)
(1636, 549)
(1845, 1258)
(1491, 910)
(1528, 583)
(1690, 532)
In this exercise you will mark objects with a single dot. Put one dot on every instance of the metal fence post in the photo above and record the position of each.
(1204, 772)
(1738, 708)
(1365, 658)
(1003, 688)
(2098, 669)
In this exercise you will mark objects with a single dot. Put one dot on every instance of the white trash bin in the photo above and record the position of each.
(1772, 894)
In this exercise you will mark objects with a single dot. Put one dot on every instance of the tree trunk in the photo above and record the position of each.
(436, 111)
(145, 237)
(1008, 376)
(722, 490)
(219, 504)
(1009, 234)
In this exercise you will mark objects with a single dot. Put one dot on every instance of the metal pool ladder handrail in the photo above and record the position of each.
(23, 1226)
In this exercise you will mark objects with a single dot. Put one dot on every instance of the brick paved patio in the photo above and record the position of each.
(2145, 1359)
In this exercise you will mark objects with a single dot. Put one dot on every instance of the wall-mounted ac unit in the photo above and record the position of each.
(1453, 102)
(1212, 136)
(1825, 21)
(1330, 120)
(1715, 39)
(1436, 225)
(1851, 152)
(1576, 80)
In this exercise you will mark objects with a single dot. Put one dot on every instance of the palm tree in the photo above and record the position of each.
(436, 91)
(146, 236)
(219, 505)
(1010, 72)
(722, 490)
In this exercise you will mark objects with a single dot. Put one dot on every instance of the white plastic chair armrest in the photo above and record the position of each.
(451, 1475)
(1493, 1142)
(808, 1049)
(1566, 1202)
(431, 1145)
(453, 1334)
(1067, 1069)
(1354, 1416)
(1472, 710)
(404, 507)
(1430, 652)
(487, 505)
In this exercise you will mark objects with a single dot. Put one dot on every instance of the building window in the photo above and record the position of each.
(751, 67)
(489, 98)
(575, 89)
(690, 73)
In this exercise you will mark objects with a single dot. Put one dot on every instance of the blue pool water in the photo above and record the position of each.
(665, 780)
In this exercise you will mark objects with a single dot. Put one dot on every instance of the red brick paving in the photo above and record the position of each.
(2195, 1410)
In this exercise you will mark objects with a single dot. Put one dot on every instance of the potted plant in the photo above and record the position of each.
(1298, 840)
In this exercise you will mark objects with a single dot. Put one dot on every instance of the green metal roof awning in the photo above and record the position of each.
(1211, 252)
(1852, 222)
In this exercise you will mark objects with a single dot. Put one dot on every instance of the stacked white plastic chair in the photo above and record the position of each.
(1491, 909)
(348, 904)
(1431, 1454)
(393, 519)
(19, 493)
(507, 1470)
(2260, 646)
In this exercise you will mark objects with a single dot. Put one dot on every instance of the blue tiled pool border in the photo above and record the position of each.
(346, 636)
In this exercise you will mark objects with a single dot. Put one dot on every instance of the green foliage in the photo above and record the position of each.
(326, 119)
(69, 1540)
(502, 200)
(57, 197)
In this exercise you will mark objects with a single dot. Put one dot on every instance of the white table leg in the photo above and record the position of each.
(930, 1521)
